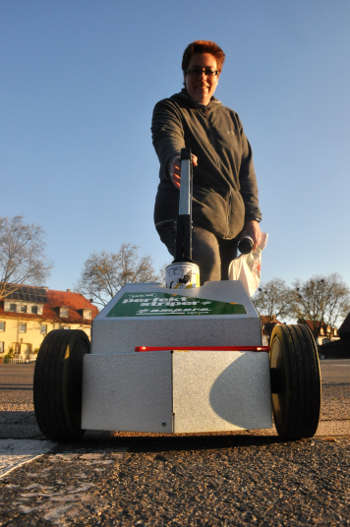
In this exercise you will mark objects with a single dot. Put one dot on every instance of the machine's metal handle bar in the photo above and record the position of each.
(202, 348)
(184, 219)
(185, 202)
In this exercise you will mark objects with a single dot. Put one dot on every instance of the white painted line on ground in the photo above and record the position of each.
(16, 452)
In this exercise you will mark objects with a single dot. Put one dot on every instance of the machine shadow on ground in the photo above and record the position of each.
(144, 444)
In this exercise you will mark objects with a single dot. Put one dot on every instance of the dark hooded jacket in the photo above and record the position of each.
(224, 184)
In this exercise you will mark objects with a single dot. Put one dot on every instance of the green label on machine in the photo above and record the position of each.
(165, 304)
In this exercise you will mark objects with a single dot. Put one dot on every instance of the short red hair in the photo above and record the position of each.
(203, 46)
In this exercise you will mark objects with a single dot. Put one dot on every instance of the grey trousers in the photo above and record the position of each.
(212, 254)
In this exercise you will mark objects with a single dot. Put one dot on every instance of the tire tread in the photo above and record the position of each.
(296, 407)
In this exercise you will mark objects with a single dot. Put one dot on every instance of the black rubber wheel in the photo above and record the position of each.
(58, 384)
(295, 381)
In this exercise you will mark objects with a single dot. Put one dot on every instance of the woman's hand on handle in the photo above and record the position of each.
(175, 169)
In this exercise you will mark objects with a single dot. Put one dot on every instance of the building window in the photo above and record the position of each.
(43, 329)
(87, 314)
(35, 310)
(2, 347)
(23, 309)
(13, 308)
(2, 325)
(64, 312)
(23, 328)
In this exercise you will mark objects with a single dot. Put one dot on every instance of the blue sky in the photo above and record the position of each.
(79, 82)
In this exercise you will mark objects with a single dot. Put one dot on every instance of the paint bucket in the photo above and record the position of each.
(182, 275)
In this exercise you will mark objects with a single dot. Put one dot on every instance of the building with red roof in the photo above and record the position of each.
(29, 313)
(322, 332)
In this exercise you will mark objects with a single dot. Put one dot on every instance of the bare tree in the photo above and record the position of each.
(105, 273)
(22, 258)
(273, 299)
(322, 299)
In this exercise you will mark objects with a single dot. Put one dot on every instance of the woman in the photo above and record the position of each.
(225, 199)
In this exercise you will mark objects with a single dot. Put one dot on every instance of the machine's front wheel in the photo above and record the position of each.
(295, 381)
(58, 384)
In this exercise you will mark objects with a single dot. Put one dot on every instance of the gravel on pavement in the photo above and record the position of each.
(209, 481)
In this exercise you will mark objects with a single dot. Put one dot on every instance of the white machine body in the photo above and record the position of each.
(172, 390)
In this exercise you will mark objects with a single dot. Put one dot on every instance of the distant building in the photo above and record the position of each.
(28, 314)
(322, 332)
(331, 343)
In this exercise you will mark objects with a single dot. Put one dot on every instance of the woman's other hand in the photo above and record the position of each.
(252, 229)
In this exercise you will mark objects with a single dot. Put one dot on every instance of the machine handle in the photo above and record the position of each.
(184, 218)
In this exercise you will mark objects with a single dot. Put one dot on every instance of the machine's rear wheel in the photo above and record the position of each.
(295, 381)
(58, 384)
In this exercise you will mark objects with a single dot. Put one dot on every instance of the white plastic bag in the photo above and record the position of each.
(247, 267)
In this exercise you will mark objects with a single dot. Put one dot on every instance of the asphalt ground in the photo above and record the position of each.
(238, 479)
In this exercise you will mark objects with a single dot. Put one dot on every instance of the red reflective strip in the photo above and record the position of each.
(202, 348)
